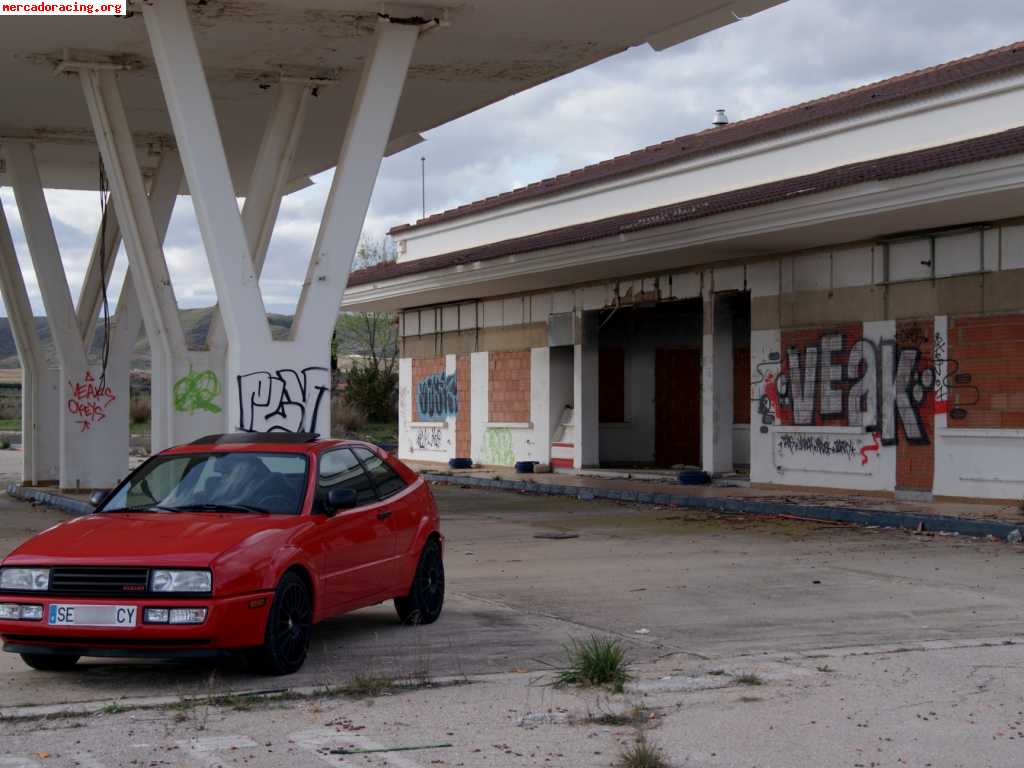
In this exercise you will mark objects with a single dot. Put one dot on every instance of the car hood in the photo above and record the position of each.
(150, 538)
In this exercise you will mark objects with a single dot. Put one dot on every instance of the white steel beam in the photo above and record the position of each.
(97, 275)
(268, 182)
(209, 181)
(366, 138)
(45, 253)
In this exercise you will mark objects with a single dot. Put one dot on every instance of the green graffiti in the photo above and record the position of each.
(195, 392)
(498, 447)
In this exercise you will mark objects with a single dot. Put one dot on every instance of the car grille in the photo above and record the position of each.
(98, 581)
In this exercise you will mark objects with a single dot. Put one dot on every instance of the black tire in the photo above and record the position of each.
(289, 628)
(426, 596)
(46, 662)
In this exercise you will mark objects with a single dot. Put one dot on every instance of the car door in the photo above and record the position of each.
(358, 543)
(393, 491)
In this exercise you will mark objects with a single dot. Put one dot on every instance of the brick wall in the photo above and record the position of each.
(985, 372)
(463, 429)
(421, 368)
(508, 386)
(915, 462)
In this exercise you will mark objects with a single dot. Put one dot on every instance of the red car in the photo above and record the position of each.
(237, 542)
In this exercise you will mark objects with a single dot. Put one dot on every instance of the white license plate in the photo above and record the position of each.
(94, 615)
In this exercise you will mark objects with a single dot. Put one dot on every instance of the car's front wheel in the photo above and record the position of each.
(289, 627)
(426, 597)
(49, 663)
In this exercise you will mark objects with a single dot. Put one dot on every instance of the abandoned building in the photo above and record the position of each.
(829, 295)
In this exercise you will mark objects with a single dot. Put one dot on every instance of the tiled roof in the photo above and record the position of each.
(989, 147)
(802, 116)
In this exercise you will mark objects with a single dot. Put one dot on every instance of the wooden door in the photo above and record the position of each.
(677, 406)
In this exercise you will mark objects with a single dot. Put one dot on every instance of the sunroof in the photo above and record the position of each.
(278, 438)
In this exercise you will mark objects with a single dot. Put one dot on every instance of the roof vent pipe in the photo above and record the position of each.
(720, 118)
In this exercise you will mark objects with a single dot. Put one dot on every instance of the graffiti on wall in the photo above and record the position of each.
(89, 401)
(437, 397)
(855, 450)
(428, 439)
(498, 446)
(195, 391)
(284, 400)
(883, 387)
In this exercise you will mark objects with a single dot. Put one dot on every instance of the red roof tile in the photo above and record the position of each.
(837, 106)
(989, 147)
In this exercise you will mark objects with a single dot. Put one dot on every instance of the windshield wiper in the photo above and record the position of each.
(210, 507)
(143, 508)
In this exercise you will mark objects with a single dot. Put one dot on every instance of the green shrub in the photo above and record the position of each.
(372, 390)
(595, 661)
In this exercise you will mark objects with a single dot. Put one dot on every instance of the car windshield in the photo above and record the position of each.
(272, 483)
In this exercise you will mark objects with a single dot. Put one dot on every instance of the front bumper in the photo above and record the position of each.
(231, 623)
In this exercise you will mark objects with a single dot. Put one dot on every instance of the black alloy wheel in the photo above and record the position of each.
(46, 662)
(289, 627)
(426, 597)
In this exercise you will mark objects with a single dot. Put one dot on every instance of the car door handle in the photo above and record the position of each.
(383, 515)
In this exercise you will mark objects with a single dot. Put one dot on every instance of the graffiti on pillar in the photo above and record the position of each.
(498, 446)
(284, 400)
(765, 390)
(89, 401)
(429, 438)
(954, 391)
(195, 391)
(437, 397)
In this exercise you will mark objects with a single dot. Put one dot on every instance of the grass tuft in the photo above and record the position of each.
(595, 661)
(642, 754)
(369, 685)
(748, 678)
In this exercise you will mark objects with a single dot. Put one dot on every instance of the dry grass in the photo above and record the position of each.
(346, 418)
(139, 410)
(642, 754)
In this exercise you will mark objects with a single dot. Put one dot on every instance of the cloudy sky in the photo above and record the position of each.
(800, 50)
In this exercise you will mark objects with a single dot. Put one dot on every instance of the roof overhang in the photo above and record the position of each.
(480, 52)
(963, 194)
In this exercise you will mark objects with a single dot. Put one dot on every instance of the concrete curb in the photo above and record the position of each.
(50, 499)
(879, 517)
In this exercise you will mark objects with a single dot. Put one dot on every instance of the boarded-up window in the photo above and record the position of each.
(611, 385)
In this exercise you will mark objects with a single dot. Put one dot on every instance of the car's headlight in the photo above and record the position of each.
(25, 579)
(181, 581)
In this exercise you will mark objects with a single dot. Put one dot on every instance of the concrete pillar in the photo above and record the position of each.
(717, 386)
(585, 393)
(40, 384)
(276, 385)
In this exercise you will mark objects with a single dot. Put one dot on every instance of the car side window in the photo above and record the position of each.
(341, 469)
(384, 477)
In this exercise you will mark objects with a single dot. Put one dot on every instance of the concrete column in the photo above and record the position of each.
(276, 386)
(40, 384)
(717, 386)
(586, 447)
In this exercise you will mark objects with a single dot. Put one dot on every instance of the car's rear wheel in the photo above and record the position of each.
(49, 662)
(426, 597)
(289, 627)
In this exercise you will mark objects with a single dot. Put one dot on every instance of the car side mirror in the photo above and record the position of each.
(96, 497)
(339, 499)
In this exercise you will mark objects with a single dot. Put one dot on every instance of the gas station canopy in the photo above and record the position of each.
(480, 52)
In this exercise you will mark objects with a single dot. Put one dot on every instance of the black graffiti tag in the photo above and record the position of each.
(285, 400)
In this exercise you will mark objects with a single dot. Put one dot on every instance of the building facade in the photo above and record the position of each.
(831, 295)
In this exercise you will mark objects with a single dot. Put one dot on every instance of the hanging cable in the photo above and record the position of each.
(104, 202)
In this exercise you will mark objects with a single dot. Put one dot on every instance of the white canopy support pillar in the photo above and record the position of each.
(277, 385)
(181, 407)
(92, 404)
(268, 182)
(40, 384)
(97, 276)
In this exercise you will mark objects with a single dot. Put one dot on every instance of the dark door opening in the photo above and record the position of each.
(677, 405)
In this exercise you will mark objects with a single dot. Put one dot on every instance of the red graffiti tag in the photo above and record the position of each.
(873, 447)
(771, 391)
(89, 401)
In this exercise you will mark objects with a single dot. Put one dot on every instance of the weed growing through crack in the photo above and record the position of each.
(369, 684)
(748, 678)
(637, 715)
(642, 754)
(593, 662)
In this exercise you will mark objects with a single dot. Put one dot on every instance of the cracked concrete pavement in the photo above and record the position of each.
(846, 626)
